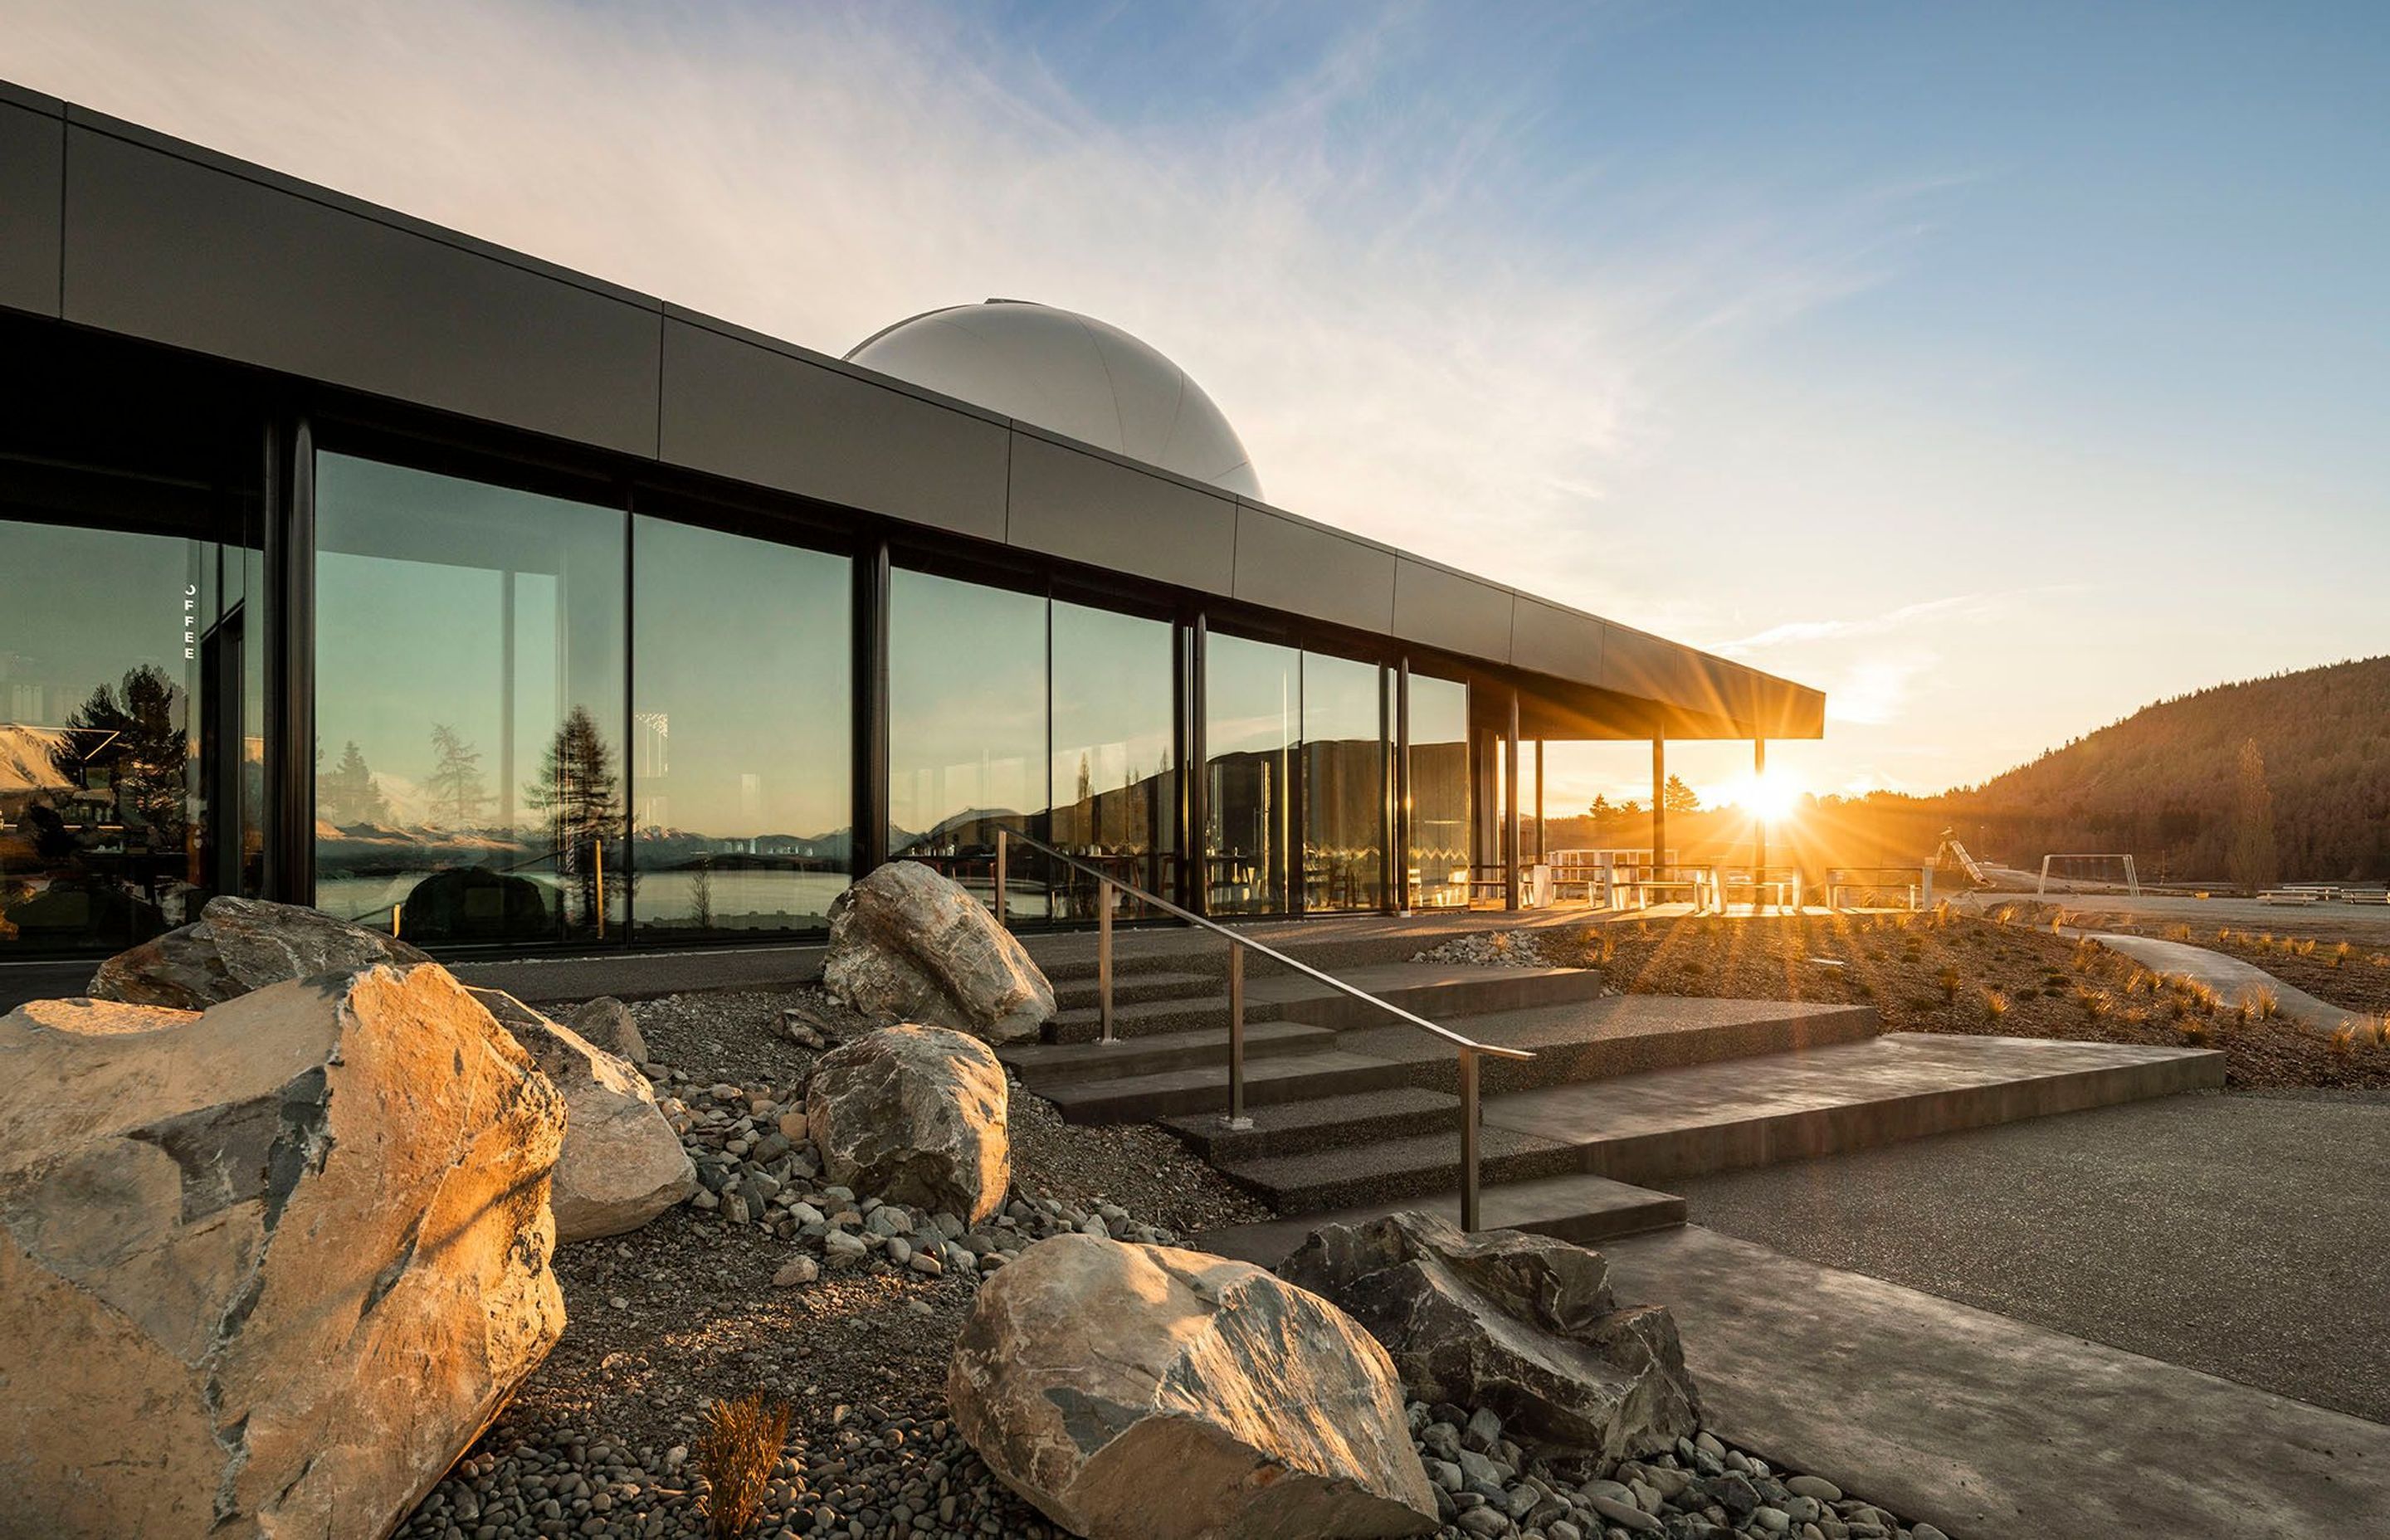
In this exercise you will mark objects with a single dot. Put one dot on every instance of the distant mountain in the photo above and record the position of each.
(2166, 782)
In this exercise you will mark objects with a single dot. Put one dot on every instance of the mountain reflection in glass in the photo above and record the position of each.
(1115, 782)
(1252, 723)
(967, 749)
(1344, 783)
(741, 733)
(468, 654)
(1439, 789)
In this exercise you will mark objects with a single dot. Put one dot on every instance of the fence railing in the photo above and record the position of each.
(1467, 1048)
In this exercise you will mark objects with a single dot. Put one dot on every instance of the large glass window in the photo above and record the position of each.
(1344, 783)
(109, 639)
(742, 764)
(1439, 791)
(1253, 715)
(1115, 783)
(966, 744)
(469, 707)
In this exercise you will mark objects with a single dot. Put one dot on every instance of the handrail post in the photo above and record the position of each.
(1236, 1118)
(999, 875)
(1104, 954)
(1467, 1141)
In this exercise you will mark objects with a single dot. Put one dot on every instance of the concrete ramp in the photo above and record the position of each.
(1984, 1426)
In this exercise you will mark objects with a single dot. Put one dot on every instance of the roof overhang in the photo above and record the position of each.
(112, 226)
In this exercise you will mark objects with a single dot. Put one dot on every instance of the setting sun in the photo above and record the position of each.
(1770, 795)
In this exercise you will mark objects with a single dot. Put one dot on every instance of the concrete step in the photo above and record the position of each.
(1619, 1034)
(1044, 1066)
(1388, 1171)
(1285, 1077)
(1670, 1124)
(1663, 1124)
(1140, 988)
(1576, 1207)
(1290, 1127)
(1436, 990)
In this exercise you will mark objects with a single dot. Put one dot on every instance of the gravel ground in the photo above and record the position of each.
(696, 1307)
(2241, 1234)
(1952, 973)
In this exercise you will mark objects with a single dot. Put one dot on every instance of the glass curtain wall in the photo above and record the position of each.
(742, 733)
(1439, 856)
(1344, 784)
(967, 728)
(1114, 764)
(1253, 715)
(109, 639)
(469, 705)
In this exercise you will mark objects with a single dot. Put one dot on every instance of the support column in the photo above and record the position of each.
(1510, 806)
(1542, 852)
(1658, 802)
(1198, 772)
(1402, 824)
(289, 642)
(871, 584)
(1758, 824)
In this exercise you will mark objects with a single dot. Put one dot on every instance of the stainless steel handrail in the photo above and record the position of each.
(1467, 1048)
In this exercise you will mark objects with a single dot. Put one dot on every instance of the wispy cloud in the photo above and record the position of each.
(1792, 633)
(1413, 342)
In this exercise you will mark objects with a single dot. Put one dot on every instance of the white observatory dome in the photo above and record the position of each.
(1071, 374)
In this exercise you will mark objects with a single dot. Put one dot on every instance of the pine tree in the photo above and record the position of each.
(135, 737)
(2253, 862)
(1676, 797)
(347, 793)
(579, 792)
(1600, 808)
(458, 792)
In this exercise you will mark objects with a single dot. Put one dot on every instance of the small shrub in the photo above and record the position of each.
(1948, 979)
(2087, 952)
(2177, 932)
(1995, 1005)
(2344, 1043)
(737, 1450)
(2199, 1029)
(2261, 1003)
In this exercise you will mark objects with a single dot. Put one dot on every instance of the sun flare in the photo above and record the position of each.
(1769, 795)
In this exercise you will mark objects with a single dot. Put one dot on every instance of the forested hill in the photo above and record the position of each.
(2169, 783)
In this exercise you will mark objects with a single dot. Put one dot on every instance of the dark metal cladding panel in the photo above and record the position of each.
(1556, 641)
(1634, 663)
(195, 256)
(1085, 507)
(33, 172)
(737, 408)
(1286, 564)
(1436, 608)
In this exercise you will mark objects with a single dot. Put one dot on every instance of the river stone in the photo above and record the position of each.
(267, 1270)
(607, 1023)
(239, 944)
(621, 1164)
(1141, 1393)
(914, 1115)
(908, 944)
(1523, 1325)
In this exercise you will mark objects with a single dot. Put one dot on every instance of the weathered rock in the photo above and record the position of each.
(914, 1115)
(239, 944)
(1139, 1393)
(607, 1023)
(269, 1269)
(1522, 1324)
(907, 943)
(621, 1164)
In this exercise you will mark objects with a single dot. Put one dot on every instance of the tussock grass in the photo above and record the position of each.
(1995, 1005)
(1948, 979)
(2177, 932)
(737, 1452)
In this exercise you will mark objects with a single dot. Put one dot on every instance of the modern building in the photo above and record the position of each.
(350, 560)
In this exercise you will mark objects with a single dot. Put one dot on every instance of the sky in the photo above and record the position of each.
(1996, 369)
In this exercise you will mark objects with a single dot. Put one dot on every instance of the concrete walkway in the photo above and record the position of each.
(2229, 976)
(1987, 1426)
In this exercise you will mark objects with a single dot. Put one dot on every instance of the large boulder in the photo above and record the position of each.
(914, 1115)
(239, 944)
(908, 944)
(1141, 1393)
(1523, 1325)
(266, 1270)
(607, 1023)
(622, 1163)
